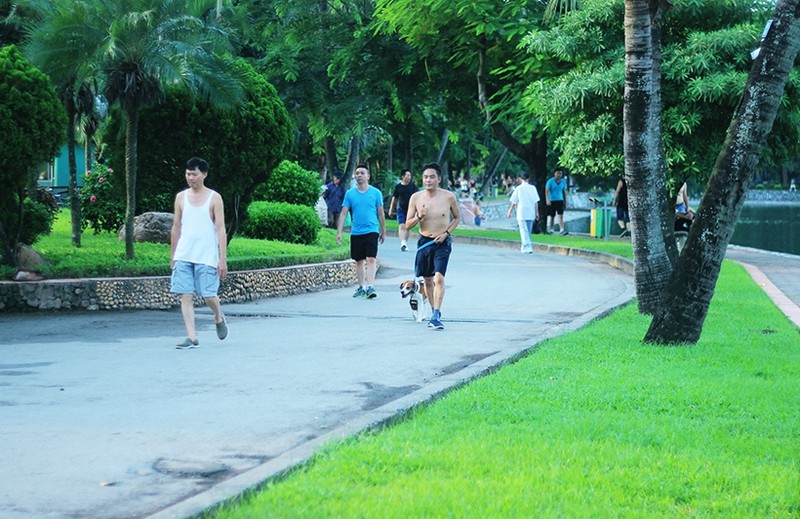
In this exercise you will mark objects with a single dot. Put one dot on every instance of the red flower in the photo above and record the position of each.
(109, 170)
(88, 172)
(101, 179)
(93, 198)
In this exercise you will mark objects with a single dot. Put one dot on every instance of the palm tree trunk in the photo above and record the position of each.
(131, 160)
(644, 162)
(74, 201)
(688, 295)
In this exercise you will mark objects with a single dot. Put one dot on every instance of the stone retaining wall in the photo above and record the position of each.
(153, 292)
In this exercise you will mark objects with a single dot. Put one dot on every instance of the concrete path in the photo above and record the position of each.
(100, 416)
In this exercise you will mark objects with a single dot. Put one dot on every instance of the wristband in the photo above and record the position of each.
(447, 232)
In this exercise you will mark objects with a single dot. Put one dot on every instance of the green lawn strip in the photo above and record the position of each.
(103, 255)
(590, 424)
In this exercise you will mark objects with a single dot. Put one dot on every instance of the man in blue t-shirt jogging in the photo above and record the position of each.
(367, 230)
(555, 195)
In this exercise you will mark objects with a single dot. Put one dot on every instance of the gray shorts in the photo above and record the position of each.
(194, 278)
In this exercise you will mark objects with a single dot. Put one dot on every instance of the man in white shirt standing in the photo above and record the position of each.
(199, 250)
(526, 200)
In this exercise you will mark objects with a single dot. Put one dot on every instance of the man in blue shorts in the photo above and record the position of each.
(555, 195)
(368, 228)
(199, 257)
(400, 197)
(436, 212)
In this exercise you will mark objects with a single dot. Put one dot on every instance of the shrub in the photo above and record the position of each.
(292, 184)
(37, 219)
(281, 222)
(102, 208)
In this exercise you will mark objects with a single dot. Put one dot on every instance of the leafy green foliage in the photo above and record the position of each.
(292, 184)
(706, 58)
(32, 123)
(282, 222)
(242, 146)
(37, 221)
(102, 200)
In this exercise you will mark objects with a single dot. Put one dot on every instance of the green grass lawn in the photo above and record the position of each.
(103, 255)
(590, 424)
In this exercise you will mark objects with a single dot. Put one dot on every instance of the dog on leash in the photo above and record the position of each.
(417, 299)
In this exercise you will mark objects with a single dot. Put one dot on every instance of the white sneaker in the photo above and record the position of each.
(404, 247)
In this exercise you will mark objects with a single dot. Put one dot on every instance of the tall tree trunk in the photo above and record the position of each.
(443, 145)
(331, 159)
(644, 158)
(74, 201)
(131, 164)
(534, 153)
(688, 295)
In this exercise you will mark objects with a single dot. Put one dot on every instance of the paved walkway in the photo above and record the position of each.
(101, 417)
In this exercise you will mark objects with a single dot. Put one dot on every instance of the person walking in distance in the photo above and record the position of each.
(436, 212)
(620, 200)
(556, 199)
(368, 228)
(199, 257)
(334, 196)
(526, 199)
(400, 197)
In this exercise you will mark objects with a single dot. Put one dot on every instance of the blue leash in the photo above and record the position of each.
(426, 244)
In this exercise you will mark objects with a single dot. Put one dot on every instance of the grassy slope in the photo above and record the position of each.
(592, 424)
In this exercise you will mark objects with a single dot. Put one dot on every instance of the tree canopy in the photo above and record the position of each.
(706, 58)
(32, 123)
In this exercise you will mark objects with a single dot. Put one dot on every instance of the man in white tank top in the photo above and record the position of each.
(199, 250)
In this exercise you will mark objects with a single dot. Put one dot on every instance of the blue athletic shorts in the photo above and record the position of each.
(194, 278)
(363, 246)
(401, 216)
(432, 258)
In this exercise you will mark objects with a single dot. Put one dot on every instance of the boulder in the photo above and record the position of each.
(29, 259)
(150, 227)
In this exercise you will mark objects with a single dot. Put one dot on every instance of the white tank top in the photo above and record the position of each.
(198, 240)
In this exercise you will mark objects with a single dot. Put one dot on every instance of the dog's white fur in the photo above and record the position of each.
(418, 299)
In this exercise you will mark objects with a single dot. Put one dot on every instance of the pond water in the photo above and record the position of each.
(769, 226)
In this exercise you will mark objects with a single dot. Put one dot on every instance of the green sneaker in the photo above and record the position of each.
(370, 292)
(359, 293)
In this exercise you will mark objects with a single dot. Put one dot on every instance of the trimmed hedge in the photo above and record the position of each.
(281, 221)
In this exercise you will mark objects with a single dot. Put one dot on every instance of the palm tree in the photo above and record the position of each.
(135, 48)
(50, 26)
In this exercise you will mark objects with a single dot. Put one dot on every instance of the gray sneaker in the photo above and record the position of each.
(222, 328)
(359, 293)
(188, 344)
(370, 292)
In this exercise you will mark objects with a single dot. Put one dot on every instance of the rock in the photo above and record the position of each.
(28, 275)
(28, 259)
(150, 227)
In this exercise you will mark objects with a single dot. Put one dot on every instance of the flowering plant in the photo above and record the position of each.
(102, 205)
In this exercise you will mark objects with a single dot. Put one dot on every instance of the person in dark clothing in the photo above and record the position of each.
(400, 197)
(621, 201)
(334, 196)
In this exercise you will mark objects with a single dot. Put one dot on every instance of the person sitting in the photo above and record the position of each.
(684, 215)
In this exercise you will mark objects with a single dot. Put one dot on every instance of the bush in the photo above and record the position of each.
(292, 184)
(281, 222)
(37, 219)
(102, 208)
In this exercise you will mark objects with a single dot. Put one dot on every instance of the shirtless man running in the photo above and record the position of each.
(436, 212)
